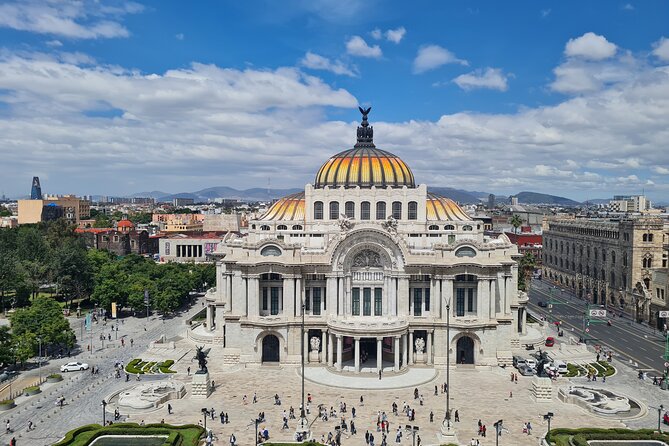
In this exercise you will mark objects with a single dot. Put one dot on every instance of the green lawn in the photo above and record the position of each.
(186, 435)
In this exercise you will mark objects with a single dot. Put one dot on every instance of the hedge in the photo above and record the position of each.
(134, 367)
(164, 366)
(186, 435)
(55, 375)
(580, 437)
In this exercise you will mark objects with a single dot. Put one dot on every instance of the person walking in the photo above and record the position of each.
(169, 409)
(188, 370)
(233, 439)
(457, 416)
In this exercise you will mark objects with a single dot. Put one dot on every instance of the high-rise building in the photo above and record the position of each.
(491, 201)
(626, 203)
(36, 190)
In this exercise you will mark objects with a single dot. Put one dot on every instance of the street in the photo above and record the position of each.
(625, 337)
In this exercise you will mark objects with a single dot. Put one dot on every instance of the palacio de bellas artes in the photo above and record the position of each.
(376, 268)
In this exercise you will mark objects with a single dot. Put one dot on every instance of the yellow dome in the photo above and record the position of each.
(444, 209)
(288, 208)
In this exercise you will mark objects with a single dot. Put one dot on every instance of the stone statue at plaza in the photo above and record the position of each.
(201, 357)
(419, 343)
(315, 343)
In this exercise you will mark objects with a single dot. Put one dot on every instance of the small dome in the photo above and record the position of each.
(125, 224)
(364, 167)
(288, 208)
(444, 209)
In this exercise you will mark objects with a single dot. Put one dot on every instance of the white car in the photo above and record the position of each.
(531, 363)
(561, 366)
(73, 366)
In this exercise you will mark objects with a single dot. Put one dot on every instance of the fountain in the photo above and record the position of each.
(601, 402)
(148, 396)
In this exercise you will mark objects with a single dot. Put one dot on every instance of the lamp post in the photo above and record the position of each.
(303, 419)
(205, 413)
(548, 417)
(256, 431)
(498, 430)
(659, 418)
(448, 365)
(104, 413)
(412, 430)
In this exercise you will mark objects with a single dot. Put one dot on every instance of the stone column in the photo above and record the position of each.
(330, 349)
(379, 354)
(479, 298)
(332, 295)
(253, 297)
(405, 350)
(340, 349)
(410, 347)
(210, 318)
(491, 298)
(340, 297)
(288, 310)
(428, 347)
(219, 318)
(356, 359)
(238, 289)
(396, 352)
(306, 346)
(403, 296)
(324, 346)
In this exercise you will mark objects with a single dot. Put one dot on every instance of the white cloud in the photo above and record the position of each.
(661, 49)
(317, 62)
(376, 34)
(545, 12)
(179, 36)
(54, 43)
(356, 46)
(492, 78)
(395, 35)
(590, 46)
(661, 170)
(67, 18)
(628, 7)
(433, 56)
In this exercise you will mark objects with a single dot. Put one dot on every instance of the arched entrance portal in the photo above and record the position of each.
(270, 349)
(465, 349)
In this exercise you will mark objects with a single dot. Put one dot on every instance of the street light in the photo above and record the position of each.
(548, 417)
(412, 430)
(303, 420)
(205, 413)
(498, 431)
(104, 413)
(659, 418)
(447, 415)
(256, 431)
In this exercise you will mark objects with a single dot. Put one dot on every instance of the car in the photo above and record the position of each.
(542, 304)
(561, 366)
(531, 362)
(519, 361)
(73, 366)
(550, 341)
(526, 370)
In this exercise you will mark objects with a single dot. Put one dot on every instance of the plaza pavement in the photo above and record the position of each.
(477, 393)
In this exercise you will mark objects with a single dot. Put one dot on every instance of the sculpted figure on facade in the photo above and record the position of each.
(390, 225)
(345, 223)
(315, 343)
(367, 259)
(419, 343)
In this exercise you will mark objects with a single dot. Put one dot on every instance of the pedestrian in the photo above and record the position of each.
(255, 398)
(366, 435)
(431, 417)
(418, 440)
(510, 394)
(227, 419)
(222, 418)
(169, 409)
(529, 428)
(212, 413)
(435, 391)
(457, 417)
(188, 370)
(353, 412)
(30, 425)
(379, 374)
(12, 442)
(361, 401)
(483, 430)
(132, 341)
(233, 439)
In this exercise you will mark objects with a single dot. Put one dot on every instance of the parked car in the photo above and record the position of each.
(526, 370)
(73, 366)
(542, 304)
(561, 366)
(531, 362)
(519, 361)
(550, 341)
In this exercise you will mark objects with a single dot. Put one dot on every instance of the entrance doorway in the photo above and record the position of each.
(465, 349)
(270, 349)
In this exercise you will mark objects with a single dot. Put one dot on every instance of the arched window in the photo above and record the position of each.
(413, 210)
(449, 228)
(645, 237)
(297, 227)
(334, 210)
(595, 253)
(397, 210)
(624, 259)
(433, 228)
(349, 209)
(270, 250)
(465, 251)
(613, 257)
(282, 227)
(264, 228)
(561, 247)
(365, 210)
(603, 255)
(467, 228)
(318, 210)
(612, 280)
(381, 210)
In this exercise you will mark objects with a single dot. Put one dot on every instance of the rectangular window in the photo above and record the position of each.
(397, 210)
(275, 300)
(471, 302)
(365, 210)
(265, 299)
(316, 292)
(366, 301)
(378, 305)
(334, 210)
(460, 301)
(349, 209)
(381, 210)
(307, 298)
(355, 301)
(413, 210)
(426, 293)
(417, 301)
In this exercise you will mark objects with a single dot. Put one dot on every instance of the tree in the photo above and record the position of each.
(110, 286)
(516, 222)
(526, 266)
(72, 270)
(6, 354)
(137, 284)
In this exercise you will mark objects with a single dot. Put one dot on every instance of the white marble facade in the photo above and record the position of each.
(370, 284)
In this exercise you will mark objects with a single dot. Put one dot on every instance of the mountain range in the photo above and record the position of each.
(262, 194)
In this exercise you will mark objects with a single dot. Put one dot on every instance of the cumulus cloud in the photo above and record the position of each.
(590, 46)
(395, 35)
(67, 18)
(179, 36)
(430, 57)
(376, 34)
(317, 62)
(356, 46)
(492, 78)
(661, 49)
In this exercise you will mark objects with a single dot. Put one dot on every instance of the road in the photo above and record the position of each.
(626, 338)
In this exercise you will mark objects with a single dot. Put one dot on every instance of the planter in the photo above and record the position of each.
(54, 378)
(6, 405)
(32, 391)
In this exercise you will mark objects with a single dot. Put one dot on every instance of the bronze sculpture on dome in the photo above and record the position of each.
(365, 131)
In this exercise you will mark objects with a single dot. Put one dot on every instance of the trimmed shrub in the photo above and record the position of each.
(55, 376)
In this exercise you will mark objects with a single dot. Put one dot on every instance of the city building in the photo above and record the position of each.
(527, 242)
(180, 202)
(122, 240)
(379, 267)
(52, 207)
(179, 222)
(192, 247)
(491, 201)
(630, 204)
(222, 222)
(607, 262)
(36, 190)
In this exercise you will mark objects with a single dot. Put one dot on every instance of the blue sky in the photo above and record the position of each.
(115, 97)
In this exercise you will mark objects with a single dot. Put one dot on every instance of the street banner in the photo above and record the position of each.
(88, 321)
(113, 310)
